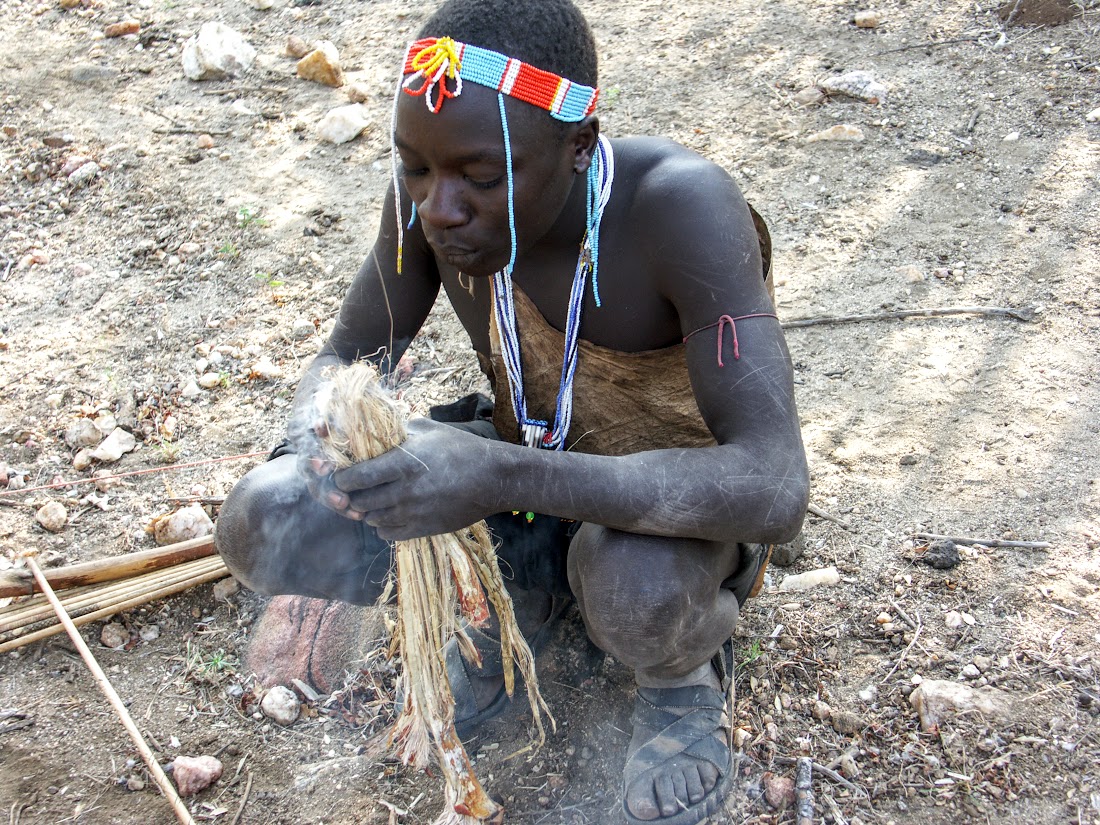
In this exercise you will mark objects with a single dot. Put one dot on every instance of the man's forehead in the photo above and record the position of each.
(471, 125)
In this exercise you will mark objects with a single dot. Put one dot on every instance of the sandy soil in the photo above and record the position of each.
(977, 184)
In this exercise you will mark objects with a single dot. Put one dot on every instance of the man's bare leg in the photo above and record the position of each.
(658, 606)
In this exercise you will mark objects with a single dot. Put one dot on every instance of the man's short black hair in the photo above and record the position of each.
(549, 34)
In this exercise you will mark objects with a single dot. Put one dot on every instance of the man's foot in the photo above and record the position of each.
(479, 693)
(679, 762)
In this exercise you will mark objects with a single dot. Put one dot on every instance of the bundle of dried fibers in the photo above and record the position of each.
(439, 578)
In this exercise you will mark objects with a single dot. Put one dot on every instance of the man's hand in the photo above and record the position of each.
(438, 481)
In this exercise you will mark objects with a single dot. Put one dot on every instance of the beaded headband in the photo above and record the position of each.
(437, 60)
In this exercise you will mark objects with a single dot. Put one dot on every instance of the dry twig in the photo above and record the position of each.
(1008, 312)
(825, 514)
(968, 541)
(108, 690)
(804, 791)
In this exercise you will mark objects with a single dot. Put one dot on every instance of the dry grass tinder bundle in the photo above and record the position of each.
(439, 579)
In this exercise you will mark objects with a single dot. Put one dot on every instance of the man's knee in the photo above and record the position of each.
(644, 593)
(247, 521)
(276, 539)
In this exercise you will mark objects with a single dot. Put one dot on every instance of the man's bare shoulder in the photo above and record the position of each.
(660, 169)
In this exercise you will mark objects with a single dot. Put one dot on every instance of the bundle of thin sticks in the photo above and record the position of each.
(438, 578)
(95, 590)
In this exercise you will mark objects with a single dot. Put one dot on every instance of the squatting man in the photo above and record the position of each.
(643, 450)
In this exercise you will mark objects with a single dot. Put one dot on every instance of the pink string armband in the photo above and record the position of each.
(720, 323)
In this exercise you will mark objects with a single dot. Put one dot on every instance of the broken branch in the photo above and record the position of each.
(1008, 312)
(968, 541)
(21, 583)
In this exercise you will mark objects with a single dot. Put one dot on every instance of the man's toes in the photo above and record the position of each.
(695, 789)
(708, 776)
(641, 800)
(666, 795)
(679, 785)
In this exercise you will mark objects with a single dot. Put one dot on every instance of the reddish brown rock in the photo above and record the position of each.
(122, 28)
(778, 791)
(195, 773)
(314, 640)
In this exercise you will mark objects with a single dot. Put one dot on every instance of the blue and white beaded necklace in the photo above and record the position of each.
(535, 432)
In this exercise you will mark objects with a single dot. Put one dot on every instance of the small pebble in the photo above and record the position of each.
(52, 516)
(122, 28)
(114, 635)
(358, 93)
(1011, 137)
(846, 722)
(1093, 116)
(821, 711)
(971, 672)
(204, 142)
(225, 588)
(195, 773)
(150, 633)
(866, 19)
(778, 791)
(209, 380)
(322, 65)
(280, 704)
(296, 47)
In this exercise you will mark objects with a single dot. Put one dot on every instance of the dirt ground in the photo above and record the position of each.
(977, 184)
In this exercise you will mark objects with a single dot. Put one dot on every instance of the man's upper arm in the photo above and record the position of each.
(710, 270)
(382, 311)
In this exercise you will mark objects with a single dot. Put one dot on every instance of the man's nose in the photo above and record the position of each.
(444, 206)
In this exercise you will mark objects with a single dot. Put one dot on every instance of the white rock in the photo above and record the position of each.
(1093, 116)
(150, 633)
(262, 5)
(52, 516)
(303, 328)
(105, 423)
(266, 370)
(971, 672)
(189, 522)
(343, 123)
(84, 174)
(1011, 137)
(114, 446)
(217, 51)
(811, 579)
(83, 459)
(953, 619)
(937, 699)
(82, 433)
(209, 380)
(54, 400)
(841, 133)
(281, 705)
(859, 84)
(190, 390)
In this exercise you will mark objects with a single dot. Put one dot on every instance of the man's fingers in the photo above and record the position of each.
(367, 474)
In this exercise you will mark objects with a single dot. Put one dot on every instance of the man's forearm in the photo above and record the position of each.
(716, 493)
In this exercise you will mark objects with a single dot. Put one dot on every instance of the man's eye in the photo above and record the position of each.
(485, 184)
(413, 173)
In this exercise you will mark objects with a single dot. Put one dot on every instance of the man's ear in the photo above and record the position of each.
(585, 136)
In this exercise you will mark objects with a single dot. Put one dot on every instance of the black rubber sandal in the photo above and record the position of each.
(467, 714)
(684, 721)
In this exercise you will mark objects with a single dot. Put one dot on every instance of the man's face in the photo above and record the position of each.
(454, 167)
